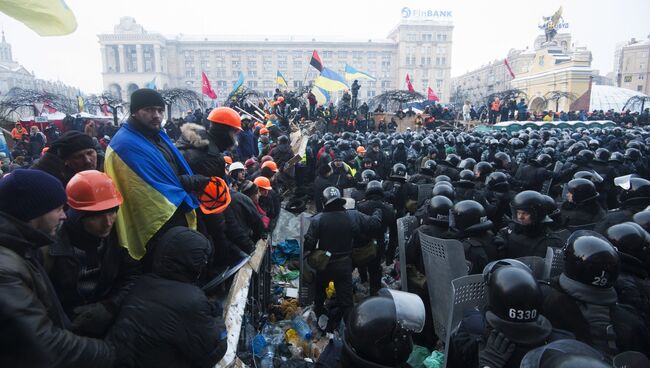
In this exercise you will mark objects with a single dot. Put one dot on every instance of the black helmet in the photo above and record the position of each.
(398, 171)
(429, 167)
(531, 202)
(585, 156)
(368, 175)
(632, 154)
(543, 160)
(379, 328)
(331, 194)
(438, 209)
(602, 155)
(453, 159)
(466, 175)
(582, 190)
(629, 238)
(498, 182)
(617, 157)
(444, 190)
(374, 188)
(590, 259)
(592, 176)
(642, 218)
(483, 169)
(549, 151)
(551, 208)
(441, 178)
(513, 293)
(639, 189)
(517, 143)
(594, 144)
(469, 216)
(283, 139)
(501, 160)
(467, 164)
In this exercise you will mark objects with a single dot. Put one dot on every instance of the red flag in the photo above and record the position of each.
(408, 83)
(207, 89)
(316, 62)
(505, 61)
(431, 96)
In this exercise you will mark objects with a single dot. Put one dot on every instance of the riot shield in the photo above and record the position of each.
(405, 228)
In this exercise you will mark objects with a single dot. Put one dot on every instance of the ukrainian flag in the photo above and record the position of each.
(322, 96)
(45, 17)
(351, 74)
(151, 190)
(330, 81)
(279, 79)
(238, 85)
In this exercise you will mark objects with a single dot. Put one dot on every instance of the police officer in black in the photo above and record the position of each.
(465, 187)
(497, 197)
(470, 225)
(527, 234)
(581, 207)
(583, 301)
(426, 174)
(634, 197)
(398, 190)
(532, 176)
(359, 191)
(448, 166)
(334, 231)
(374, 200)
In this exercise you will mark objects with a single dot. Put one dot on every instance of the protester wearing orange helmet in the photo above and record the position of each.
(90, 271)
(271, 165)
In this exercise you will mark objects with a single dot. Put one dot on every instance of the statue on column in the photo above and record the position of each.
(549, 24)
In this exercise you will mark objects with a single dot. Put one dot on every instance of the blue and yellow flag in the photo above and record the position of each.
(279, 79)
(322, 96)
(238, 85)
(45, 17)
(330, 81)
(152, 84)
(152, 192)
(352, 73)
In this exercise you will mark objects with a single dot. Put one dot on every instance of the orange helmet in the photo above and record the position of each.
(271, 165)
(264, 131)
(361, 149)
(263, 182)
(225, 116)
(215, 197)
(92, 190)
(228, 159)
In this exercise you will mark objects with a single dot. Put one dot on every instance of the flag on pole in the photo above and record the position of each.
(322, 96)
(505, 61)
(352, 73)
(152, 84)
(409, 84)
(239, 84)
(206, 88)
(45, 17)
(280, 79)
(431, 96)
(316, 62)
(330, 81)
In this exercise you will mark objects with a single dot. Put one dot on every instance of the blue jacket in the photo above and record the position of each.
(247, 147)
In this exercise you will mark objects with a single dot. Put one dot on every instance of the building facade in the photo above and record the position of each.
(13, 74)
(133, 58)
(632, 65)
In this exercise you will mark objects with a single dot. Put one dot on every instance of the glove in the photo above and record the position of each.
(496, 351)
(193, 183)
(91, 320)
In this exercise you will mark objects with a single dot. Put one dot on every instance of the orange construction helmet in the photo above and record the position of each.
(215, 197)
(361, 149)
(263, 182)
(225, 116)
(264, 131)
(92, 190)
(271, 165)
(228, 159)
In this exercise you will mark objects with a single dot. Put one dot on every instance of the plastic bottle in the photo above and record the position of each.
(292, 337)
(266, 361)
(259, 344)
(302, 328)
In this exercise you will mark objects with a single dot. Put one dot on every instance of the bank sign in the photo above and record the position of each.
(409, 13)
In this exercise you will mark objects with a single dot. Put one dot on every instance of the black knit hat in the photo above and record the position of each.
(71, 142)
(27, 194)
(145, 97)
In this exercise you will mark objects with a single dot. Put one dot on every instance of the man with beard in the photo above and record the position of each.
(73, 152)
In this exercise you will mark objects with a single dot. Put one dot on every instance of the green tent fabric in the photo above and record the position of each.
(417, 357)
(436, 360)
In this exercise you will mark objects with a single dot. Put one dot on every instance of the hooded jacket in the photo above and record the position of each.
(30, 300)
(166, 320)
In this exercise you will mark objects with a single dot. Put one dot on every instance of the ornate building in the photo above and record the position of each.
(632, 65)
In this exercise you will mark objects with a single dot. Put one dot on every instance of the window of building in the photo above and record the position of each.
(411, 36)
(441, 37)
(371, 93)
(427, 37)
(234, 74)
(438, 83)
(222, 84)
(205, 65)
(131, 58)
(268, 94)
(219, 62)
(342, 54)
(639, 88)
(252, 73)
(439, 73)
(147, 58)
(357, 54)
(641, 77)
(385, 64)
(252, 84)
(189, 72)
(297, 84)
(297, 64)
(188, 54)
(236, 64)
(627, 79)
(219, 53)
(327, 54)
(385, 84)
(372, 54)
(441, 60)
(441, 49)
(642, 66)
(235, 53)
(220, 73)
(252, 64)
(267, 84)
(282, 64)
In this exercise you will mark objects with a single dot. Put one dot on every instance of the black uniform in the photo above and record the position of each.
(514, 242)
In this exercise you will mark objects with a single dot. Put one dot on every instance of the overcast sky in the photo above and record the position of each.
(484, 30)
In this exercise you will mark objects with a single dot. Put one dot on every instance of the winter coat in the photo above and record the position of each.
(281, 154)
(586, 213)
(246, 147)
(244, 225)
(31, 301)
(515, 243)
(166, 320)
(320, 184)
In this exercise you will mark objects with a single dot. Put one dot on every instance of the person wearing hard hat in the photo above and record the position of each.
(237, 174)
(246, 147)
(90, 272)
(269, 199)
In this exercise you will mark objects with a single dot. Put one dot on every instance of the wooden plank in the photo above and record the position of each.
(258, 255)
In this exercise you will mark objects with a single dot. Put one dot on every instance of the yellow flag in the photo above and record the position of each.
(80, 101)
(45, 17)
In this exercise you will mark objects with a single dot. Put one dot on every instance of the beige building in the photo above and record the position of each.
(631, 65)
(133, 57)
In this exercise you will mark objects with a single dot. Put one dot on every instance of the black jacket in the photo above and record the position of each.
(512, 243)
(30, 300)
(281, 154)
(166, 320)
(244, 226)
(320, 184)
(586, 213)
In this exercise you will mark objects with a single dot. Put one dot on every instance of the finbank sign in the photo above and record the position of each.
(424, 13)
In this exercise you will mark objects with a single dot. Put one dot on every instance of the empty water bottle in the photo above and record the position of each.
(266, 361)
(302, 328)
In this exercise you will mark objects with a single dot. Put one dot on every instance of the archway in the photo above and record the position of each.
(537, 104)
(115, 90)
(132, 87)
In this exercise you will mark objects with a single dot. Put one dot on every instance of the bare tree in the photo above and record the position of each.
(558, 95)
(107, 101)
(393, 99)
(19, 101)
(182, 97)
(509, 94)
(637, 103)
